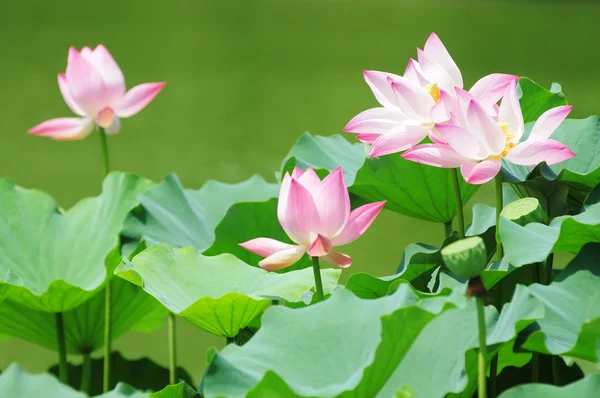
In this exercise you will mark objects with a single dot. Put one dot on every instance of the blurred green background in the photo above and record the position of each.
(245, 80)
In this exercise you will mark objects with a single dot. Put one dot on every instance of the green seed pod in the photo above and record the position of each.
(525, 211)
(467, 258)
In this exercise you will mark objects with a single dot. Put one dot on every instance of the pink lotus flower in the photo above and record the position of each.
(411, 105)
(316, 216)
(94, 88)
(478, 143)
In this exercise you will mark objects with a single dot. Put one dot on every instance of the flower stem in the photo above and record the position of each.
(107, 298)
(62, 348)
(447, 229)
(460, 217)
(229, 340)
(556, 370)
(86, 373)
(548, 269)
(499, 206)
(318, 283)
(482, 347)
(535, 368)
(172, 350)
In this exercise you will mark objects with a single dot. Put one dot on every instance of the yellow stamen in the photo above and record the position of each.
(433, 90)
(510, 141)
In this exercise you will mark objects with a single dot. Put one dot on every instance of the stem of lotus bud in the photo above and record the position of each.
(318, 282)
(86, 373)
(172, 350)
(460, 217)
(499, 206)
(62, 348)
(481, 390)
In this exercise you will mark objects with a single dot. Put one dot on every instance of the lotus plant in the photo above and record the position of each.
(316, 216)
(411, 105)
(477, 142)
(93, 87)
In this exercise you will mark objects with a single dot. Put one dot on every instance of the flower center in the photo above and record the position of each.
(510, 141)
(433, 90)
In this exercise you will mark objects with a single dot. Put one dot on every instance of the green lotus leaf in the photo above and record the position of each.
(535, 241)
(180, 390)
(535, 99)
(336, 353)
(426, 195)
(588, 387)
(220, 294)
(365, 348)
(54, 260)
(142, 374)
(15, 382)
(171, 214)
(571, 325)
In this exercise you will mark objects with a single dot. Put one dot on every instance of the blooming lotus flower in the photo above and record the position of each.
(411, 105)
(315, 215)
(94, 88)
(480, 142)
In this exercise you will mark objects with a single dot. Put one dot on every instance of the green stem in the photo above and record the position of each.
(107, 337)
(447, 229)
(229, 340)
(172, 350)
(493, 377)
(482, 347)
(107, 298)
(548, 270)
(556, 370)
(86, 373)
(499, 206)
(318, 283)
(535, 367)
(62, 348)
(460, 216)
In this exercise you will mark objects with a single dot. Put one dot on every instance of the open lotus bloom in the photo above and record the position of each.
(411, 105)
(94, 88)
(477, 142)
(315, 215)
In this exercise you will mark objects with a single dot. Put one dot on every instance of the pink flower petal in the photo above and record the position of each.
(114, 127)
(438, 155)
(375, 120)
(110, 71)
(489, 89)
(333, 202)
(441, 112)
(137, 98)
(398, 140)
(297, 212)
(311, 181)
(64, 129)
(510, 110)
(64, 90)
(487, 131)
(548, 122)
(367, 138)
(359, 221)
(413, 100)
(297, 173)
(531, 153)
(436, 72)
(265, 246)
(85, 84)
(340, 259)
(462, 141)
(320, 247)
(105, 117)
(435, 50)
(282, 259)
(480, 173)
(379, 84)
(414, 73)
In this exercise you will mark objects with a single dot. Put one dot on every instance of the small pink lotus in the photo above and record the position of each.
(411, 105)
(94, 88)
(477, 142)
(316, 216)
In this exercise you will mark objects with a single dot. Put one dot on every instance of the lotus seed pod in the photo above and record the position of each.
(525, 211)
(466, 258)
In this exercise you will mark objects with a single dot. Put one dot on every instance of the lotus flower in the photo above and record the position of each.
(478, 143)
(316, 216)
(94, 88)
(411, 105)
